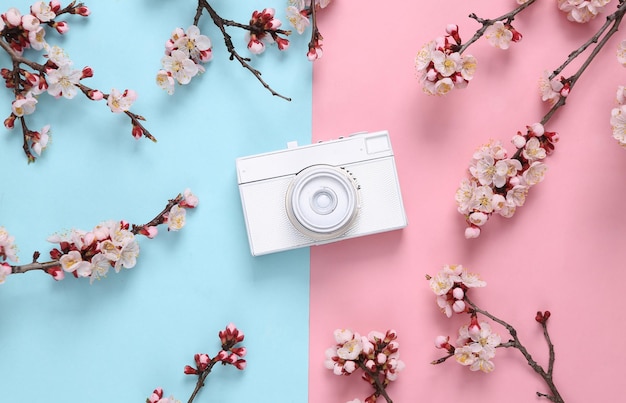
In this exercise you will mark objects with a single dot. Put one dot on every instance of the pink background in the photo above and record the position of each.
(563, 251)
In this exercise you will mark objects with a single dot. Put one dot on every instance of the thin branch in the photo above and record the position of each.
(221, 24)
(378, 385)
(516, 343)
(508, 17)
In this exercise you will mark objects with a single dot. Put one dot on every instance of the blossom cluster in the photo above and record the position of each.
(109, 245)
(582, 11)
(376, 354)
(184, 53)
(264, 28)
(450, 285)
(299, 14)
(476, 344)
(499, 184)
(441, 66)
(56, 76)
(231, 353)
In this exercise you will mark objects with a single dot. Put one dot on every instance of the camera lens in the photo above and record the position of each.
(322, 202)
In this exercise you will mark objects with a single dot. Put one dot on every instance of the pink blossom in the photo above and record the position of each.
(61, 27)
(190, 200)
(23, 105)
(5, 271)
(121, 101)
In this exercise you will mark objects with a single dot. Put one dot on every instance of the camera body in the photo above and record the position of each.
(320, 193)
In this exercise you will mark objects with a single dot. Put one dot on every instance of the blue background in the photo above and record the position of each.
(124, 335)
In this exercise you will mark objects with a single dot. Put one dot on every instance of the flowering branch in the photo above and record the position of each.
(186, 51)
(498, 183)
(476, 344)
(542, 319)
(507, 19)
(230, 354)
(255, 28)
(111, 244)
(29, 79)
(376, 355)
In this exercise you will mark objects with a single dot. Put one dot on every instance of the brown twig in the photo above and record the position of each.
(221, 24)
(517, 344)
(508, 17)
(378, 385)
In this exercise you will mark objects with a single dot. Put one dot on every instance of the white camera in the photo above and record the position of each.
(320, 193)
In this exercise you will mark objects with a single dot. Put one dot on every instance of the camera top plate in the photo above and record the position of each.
(354, 148)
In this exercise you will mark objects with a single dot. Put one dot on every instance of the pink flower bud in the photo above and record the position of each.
(137, 132)
(230, 359)
(95, 95)
(282, 43)
(221, 355)
(150, 231)
(518, 141)
(255, 46)
(442, 341)
(349, 366)
(381, 358)
(536, 129)
(83, 11)
(370, 364)
(9, 122)
(239, 351)
(458, 293)
(55, 5)
(240, 364)
(189, 370)
(87, 72)
(13, 17)
(472, 232)
(56, 272)
(458, 306)
(474, 327)
(61, 27)
(451, 29)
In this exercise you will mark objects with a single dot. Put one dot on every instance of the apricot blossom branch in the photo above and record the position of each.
(187, 50)
(505, 19)
(29, 79)
(477, 343)
(375, 354)
(498, 183)
(261, 25)
(231, 353)
(110, 244)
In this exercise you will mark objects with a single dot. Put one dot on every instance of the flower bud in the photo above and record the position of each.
(9, 122)
(442, 341)
(518, 141)
(452, 29)
(536, 129)
(458, 293)
(458, 306)
(189, 370)
(472, 232)
(61, 27)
